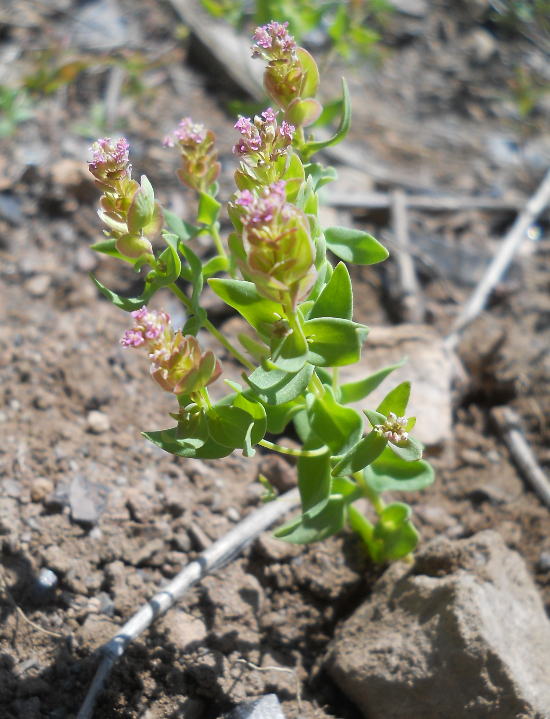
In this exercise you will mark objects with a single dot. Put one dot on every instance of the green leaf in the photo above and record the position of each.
(278, 417)
(256, 349)
(314, 480)
(140, 211)
(128, 304)
(244, 297)
(290, 353)
(214, 265)
(345, 121)
(356, 391)
(396, 401)
(170, 261)
(311, 84)
(321, 175)
(340, 428)
(303, 112)
(193, 430)
(276, 387)
(148, 189)
(360, 455)
(396, 531)
(303, 428)
(108, 247)
(209, 209)
(229, 426)
(374, 417)
(336, 300)
(389, 473)
(306, 530)
(408, 450)
(258, 414)
(184, 230)
(334, 342)
(355, 246)
(166, 440)
(195, 266)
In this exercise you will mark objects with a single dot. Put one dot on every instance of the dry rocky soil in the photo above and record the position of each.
(82, 493)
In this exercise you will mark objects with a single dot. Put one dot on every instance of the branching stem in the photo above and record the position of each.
(374, 498)
(293, 452)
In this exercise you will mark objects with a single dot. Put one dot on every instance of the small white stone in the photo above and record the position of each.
(38, 286)
(233, 515)
(98, 422)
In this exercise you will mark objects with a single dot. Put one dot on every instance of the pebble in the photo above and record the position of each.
(279, 473)
(38, 285)
(199, 537)
(87, 500)
(544, 561)
(98, 422)
(233, 515)
(436, 516)
(41, 487)
(43, 399)
(45, 585)
(12, 488)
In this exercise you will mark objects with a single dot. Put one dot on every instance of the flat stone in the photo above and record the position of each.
(430, 367)
(184, 630)
(87, 500)
(266, 707)
(463, 633)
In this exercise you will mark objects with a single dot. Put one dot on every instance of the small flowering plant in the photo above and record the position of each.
(298, 305)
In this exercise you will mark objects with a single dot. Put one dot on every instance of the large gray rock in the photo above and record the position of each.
(461, 634)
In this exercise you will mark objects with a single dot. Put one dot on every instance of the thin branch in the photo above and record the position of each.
(501, 260)
(218, 554)
(433, 203)
(508, 424)
(285, 670)
(410, 290)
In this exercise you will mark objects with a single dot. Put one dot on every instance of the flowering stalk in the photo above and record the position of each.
(199, 158)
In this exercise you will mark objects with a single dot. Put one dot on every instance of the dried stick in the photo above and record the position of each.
(22, 614)
(501, 260)
(509, 426)
(215, 556)
(410, 291)
(282, 670)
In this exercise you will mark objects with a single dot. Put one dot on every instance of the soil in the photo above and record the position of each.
(436, 106)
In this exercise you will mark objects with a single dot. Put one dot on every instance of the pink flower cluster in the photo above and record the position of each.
(263, 209)
(110, 162)
(262, 140)
(273, 41)
(147, 330)
(393, 429)
(187, 133)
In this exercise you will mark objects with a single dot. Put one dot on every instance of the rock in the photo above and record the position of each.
(58, 499)
(184, 630)
(462, 633)
(436, 516)
(429, 367)
(414, 8)
(274, 550)
(98, 422)
(278, 472)
(41, 487)
(544, 561)
(87, 500)
(38, 286)
(43, 399)
(12, 488)
(267, 707)
(480, 45)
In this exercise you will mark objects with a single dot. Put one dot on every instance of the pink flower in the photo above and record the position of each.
(110, 162)
(273, 42)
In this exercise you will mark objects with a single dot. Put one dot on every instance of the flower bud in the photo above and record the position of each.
(393, 429)
(276, 250)
(110, 164)
(200, 167)
(179, 365)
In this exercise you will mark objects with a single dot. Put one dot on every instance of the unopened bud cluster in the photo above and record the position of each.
(393, 429)
(179, 365)
(262, 141)
(199, 157)
(276, 249)
(128, 209)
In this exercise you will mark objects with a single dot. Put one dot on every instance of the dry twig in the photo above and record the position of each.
(501, 260)
(410, 291)
(509, 426)
(22, 614)
(218, 554)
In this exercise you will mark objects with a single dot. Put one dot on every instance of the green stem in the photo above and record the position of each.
(374, 498)
(315, 386)
(213, 331)
(334, 379)
(219, 246)
(293, 452)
